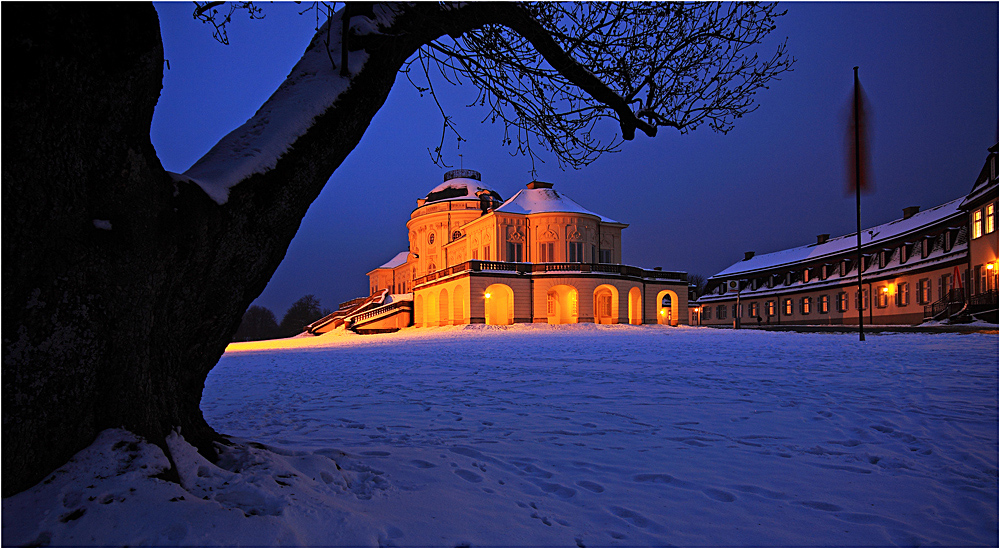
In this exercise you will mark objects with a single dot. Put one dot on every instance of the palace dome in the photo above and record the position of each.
(461, 184)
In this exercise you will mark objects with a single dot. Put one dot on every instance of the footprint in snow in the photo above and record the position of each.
(468, 475)
(421, 464)
(592, 486)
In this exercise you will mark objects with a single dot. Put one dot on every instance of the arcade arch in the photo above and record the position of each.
(563, 304)
(666, 308)
(605, 304)
(499, 304)
(635, 306)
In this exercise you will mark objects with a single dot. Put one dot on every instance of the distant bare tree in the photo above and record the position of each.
(123, 283)
(697, 281)
(258, 323)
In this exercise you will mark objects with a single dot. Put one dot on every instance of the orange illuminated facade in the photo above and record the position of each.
(538, 257)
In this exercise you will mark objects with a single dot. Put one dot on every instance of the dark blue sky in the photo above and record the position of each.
(695, 202)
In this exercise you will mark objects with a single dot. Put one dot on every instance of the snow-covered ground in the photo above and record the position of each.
(560, 436)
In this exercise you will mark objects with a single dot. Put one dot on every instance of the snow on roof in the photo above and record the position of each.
(841, 244)
(543, 200)
(459, 188)
(396, 261)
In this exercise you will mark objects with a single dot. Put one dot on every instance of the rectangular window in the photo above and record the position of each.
(924, 291)
(575, 252)
(514, 252)
(902, 294)
(606, 256)
(805, 275)
(707, 313)
(980, 274)
(824, 304)
(991, 218)
(925, 247)
(882, 299)
(486, 253)
(842, 302)
(605, 305)
(788, 307)
(806, 305)
(770, 308)
(904, 253)
(475, 254)
(546, 252)
(862, 300)
(720, 312)
(823, 272)
(551, 305)
(754, 310)
(977, 224)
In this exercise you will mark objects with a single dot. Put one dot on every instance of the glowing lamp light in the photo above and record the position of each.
(989, 266)
(885, 290)
(662, 312)
(487, 295)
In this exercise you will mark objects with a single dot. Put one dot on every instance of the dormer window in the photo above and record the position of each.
(805, 275)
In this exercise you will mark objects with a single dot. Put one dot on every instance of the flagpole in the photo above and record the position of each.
(857, 193)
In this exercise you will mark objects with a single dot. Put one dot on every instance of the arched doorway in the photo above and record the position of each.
(499, 304)
(605, 304)
(431, 311)
(444, 309)
(460, 315)
(563, 304)
(666, 311)
(635, 306)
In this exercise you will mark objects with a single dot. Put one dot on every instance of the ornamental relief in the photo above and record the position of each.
(573, 233)
(514, 234)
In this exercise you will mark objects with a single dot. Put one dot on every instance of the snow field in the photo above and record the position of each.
(561, 436)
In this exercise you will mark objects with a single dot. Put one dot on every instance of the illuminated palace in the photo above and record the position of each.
(939, 264)
(537, 257)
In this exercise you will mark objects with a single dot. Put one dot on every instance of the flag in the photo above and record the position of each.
(857, 150)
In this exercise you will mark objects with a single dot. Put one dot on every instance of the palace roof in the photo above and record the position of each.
(899, 228)
(546, 200)
(396, 261)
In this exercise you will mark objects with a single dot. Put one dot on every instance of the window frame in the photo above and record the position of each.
(824, 304)
(805, 306)
(903, 294)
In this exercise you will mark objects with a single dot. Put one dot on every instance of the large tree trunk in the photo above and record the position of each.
(121, 288)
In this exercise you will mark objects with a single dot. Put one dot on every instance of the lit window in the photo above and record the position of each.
(754, 310)
(924, 291)
(842, 304)
(882, 299)
(805, 275)
(824, 304)
(902, 294)
(788, 307)
(806, 305)
(977, 224)
(770, 308)
(991, 217)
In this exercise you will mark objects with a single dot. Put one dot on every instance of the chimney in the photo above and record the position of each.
(822, 238)
(908, 212)
(747, 256)
(539, 185)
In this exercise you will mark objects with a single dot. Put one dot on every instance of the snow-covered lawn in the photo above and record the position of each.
(560, 436)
